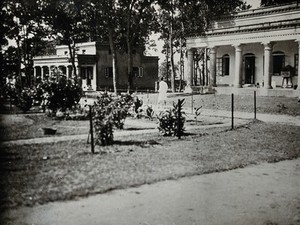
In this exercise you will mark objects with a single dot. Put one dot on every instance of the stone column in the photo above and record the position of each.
(298, 88)
(213, 66)
(42, 73)
(189, 71)
(238, 66)
(267, 65)
(190, 67)
(34, 74)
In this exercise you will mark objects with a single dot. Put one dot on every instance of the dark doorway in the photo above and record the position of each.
(249, 68)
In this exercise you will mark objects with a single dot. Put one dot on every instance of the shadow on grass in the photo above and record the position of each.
(138, 128)
(137, 143)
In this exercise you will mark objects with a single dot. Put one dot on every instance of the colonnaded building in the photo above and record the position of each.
(94, 66)
(258, 47)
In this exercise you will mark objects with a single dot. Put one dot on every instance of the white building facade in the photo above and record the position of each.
(251, 48)
(44, 66)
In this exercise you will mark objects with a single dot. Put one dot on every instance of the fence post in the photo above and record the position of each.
(192, 104)
(232, 111)
(255, 105)
(178, 120)
(91, 130)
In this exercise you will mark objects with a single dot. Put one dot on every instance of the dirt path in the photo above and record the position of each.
(266, 194)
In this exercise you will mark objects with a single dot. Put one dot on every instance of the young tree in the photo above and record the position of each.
(103, 17)
(182, 18)
(23, 18)
(137, 17)
(66, 19)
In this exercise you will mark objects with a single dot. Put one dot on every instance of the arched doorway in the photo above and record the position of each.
(249, 68)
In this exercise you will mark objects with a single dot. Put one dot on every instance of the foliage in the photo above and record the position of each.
(137, 103)
(24, 100)
(274, 2)
(197, 113)
(109, 113)
(60, 93)
(149, 112)
(171, 122)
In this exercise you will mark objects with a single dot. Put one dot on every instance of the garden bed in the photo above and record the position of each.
(39, 173)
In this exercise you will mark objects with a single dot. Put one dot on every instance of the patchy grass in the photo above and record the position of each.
(243, 103)
(23, 126)
(38, 173)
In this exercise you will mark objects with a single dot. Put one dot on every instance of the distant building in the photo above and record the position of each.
(94, 67)
(250, 48)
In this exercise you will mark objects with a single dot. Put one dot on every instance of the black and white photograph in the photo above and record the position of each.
(149, 112)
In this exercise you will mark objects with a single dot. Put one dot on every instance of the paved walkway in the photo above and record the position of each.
(267, 194)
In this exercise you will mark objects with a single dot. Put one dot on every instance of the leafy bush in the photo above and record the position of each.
(137, 103)
(171, 122)
(60, 93)
(24, 100)
(149, 112)
(110, 112)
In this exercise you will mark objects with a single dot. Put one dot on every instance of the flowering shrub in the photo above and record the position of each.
(24, 100)
(60, 93)
(171, 122)
(110, 111)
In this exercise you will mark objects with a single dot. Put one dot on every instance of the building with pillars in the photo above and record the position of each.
(93, 63)
(250, 48)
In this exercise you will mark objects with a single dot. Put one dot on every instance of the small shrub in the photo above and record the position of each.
(149, 112)
(171, 122)
(110, 112)
(24, 100)
(60, 93)
(197, 113)
(137, 103)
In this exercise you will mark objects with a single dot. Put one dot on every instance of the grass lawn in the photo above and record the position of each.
(243, 103)
(40, 173)
(23, 126)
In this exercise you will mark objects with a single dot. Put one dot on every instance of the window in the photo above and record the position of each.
(219, 66)
(278, 62)
(296, 64)
(108, 72)
(83, 51)
(225, 65)
(86, 72)
(138, 71)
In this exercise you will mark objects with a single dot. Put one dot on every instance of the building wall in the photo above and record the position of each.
(289, 48)
(147, 81)
(83, 48)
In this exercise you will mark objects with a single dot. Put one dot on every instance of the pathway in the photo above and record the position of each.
(266, 194)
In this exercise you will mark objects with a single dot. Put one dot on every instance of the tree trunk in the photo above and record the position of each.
(72, 51)
(129, 64)
(114, 59)
(19, 65)
(181, 64)
(173, 72)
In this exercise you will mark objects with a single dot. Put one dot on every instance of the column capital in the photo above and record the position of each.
(213, 49)
(191, 51)
(267, 44)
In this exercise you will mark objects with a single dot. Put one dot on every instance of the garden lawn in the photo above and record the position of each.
(40, 173)
(24, 126)
(243, 103)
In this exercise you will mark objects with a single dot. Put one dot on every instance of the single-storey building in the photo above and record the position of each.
(251, 48)
(94, 67)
